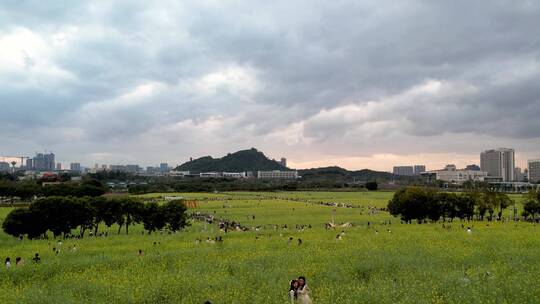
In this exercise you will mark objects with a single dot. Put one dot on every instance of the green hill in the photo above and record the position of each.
(335, 173)
(254, 160)
(245, 160)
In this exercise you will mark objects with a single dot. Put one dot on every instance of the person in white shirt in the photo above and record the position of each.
(8, 262)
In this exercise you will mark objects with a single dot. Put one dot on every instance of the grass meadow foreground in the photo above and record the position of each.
(383, 262)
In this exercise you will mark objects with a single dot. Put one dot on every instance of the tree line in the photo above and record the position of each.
(212, 184)
(26, 190)
(63, 215)
(415, 203)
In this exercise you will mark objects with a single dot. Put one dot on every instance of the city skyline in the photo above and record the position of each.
(357, 84)
(437, 165)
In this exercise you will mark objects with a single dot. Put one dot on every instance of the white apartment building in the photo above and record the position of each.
(498, 163)
(459, 176)
(175, 173)
(534, 170)
(234, 174)
(277, 174)
(210, 174)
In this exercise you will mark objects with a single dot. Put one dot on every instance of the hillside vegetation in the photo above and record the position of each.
(245, 160)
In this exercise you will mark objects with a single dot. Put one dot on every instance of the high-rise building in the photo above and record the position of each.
(404, 170)
(419, 169)
(164, 167)
(534, 170)
(58, 166)
(283, 162)
(29, 164)
(519, 175)
(498, 163)
(75, 167)
(44, 162)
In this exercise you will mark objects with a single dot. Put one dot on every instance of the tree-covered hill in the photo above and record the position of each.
(245, 160)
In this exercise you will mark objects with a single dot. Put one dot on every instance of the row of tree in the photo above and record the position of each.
(212, 184)
(233, 184)
(63, 215)
(415, 203)
(26, 190)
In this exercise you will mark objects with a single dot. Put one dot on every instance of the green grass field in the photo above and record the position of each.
(414, 263)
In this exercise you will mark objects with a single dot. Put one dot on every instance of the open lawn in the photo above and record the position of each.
(385, 262)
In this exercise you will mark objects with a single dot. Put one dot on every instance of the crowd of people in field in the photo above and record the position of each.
(36, 258)
(19, 261)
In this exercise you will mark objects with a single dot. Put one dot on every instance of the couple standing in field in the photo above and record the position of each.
(299, 292)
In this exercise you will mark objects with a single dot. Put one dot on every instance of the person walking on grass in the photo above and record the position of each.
(18, 261)
(302, 293)
(292, 291)
(8, 262)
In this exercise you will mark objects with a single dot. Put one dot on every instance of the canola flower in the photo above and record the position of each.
(412, 264)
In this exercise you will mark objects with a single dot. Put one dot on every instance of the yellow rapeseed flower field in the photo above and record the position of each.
(376, 260)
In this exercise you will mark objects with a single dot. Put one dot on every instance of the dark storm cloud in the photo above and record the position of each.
(349, 72)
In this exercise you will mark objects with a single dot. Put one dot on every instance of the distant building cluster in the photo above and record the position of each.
(45, 162)
(496, 165)
(453, 175)
(41, 162)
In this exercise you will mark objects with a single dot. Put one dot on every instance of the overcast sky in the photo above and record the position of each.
(360, 84)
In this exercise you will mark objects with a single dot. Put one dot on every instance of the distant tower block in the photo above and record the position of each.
(283, 162)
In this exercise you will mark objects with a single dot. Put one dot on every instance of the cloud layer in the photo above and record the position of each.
(353, 83)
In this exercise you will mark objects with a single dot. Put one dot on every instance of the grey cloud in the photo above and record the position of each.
(308, 56)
